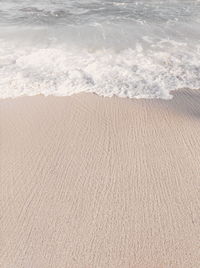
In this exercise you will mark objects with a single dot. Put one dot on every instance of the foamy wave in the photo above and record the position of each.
(129, 73)
(135, 49)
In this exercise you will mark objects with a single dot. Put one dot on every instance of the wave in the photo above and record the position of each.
(108, 52)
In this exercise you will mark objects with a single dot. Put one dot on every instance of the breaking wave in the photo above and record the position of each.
(130, 49)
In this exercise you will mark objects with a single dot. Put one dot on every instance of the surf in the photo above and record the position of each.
(129, 49)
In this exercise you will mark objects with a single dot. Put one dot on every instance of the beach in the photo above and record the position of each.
(89, 181)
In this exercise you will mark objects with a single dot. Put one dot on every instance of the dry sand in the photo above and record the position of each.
(100, 182)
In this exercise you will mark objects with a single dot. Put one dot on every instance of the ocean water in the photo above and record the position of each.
(129, 48)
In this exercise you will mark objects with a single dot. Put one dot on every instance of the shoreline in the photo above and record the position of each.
(89, 181)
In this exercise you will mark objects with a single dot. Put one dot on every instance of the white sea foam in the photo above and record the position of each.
(129, 49)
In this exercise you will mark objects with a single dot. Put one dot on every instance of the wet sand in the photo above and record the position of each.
(89, 182)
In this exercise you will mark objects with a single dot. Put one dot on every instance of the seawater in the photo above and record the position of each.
(136, 49)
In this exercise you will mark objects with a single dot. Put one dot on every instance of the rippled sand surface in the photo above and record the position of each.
(98, 182)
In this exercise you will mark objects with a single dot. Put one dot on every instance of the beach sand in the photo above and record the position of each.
(89, 182)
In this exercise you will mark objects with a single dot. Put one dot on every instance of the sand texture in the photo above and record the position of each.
(92, 182)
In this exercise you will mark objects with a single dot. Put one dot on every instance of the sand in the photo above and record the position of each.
(89, 182)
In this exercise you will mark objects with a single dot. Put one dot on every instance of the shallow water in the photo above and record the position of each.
(124, 48)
